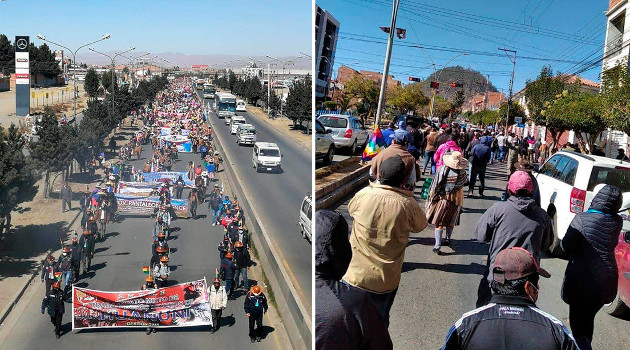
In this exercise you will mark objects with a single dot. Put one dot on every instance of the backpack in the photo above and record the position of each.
(494, 144)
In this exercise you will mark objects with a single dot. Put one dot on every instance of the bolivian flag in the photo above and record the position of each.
(375, 145)
(145, 269)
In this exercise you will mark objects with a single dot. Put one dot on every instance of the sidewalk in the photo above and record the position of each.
(39, 225)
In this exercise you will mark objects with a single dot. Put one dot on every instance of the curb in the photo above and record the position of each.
(5, 313)
(296, 321)
(327, 196)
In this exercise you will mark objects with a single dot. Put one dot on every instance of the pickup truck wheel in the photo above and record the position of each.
(616, 307)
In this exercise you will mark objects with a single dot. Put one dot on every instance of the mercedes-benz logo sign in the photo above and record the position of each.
(21, 44)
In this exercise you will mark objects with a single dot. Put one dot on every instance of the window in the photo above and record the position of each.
(559, 171)
(570, 171)
(334, 122)
(610, 176)
(550, 167)
(319, 128)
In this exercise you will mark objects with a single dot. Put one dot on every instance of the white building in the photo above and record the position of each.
(326, 34)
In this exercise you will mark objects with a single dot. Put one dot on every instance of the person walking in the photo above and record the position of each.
(513, 151)
(228, 267)
(446, 197)
(429, 150)
(591, 276)
(502, 144)
(217, 297)
(255, 306)
(242, 262)
(54, 303)
(480, 156)
(387, 133)
(397, 147)
(214, 204)
(384, 215)
(449, 146)
(49, 268)
(517, 222)
(511, 321)
(345, 317)
(66, 197)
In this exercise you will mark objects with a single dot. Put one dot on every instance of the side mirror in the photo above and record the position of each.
(536, 168)
(626, 236)
(328, 131)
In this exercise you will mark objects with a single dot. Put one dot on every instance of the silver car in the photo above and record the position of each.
(347, 131)
(324, 143)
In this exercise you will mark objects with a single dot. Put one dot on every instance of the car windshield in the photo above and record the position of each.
(248, 131)
(618, 176)
(227, 106)
(267, 152)
(334, 122)
(237, 121)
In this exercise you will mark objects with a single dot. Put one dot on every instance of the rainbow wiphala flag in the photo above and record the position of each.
(375, 145)
(145, 269)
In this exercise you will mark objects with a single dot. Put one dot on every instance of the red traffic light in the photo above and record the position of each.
(435, 85)
(457, 85)
(414, 79)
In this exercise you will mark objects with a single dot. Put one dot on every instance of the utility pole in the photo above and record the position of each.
(513, 60)
(388, 56)
(486, 97)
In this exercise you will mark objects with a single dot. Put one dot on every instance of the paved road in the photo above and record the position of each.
(276, 197)
(436, 290)
(117, 264)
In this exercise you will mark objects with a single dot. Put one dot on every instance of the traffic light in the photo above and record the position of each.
(457, 85)
(414, 79)
(435, 85)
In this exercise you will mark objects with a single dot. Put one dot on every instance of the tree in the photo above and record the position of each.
(91, 83)
(616, 98)
(580, 112)
(330, 105)
(408, 98)
(485, 117)
(540, 93)
(300, 101)
(459, 100)
(42, 61)
(366, 91)
(516, 111)
(441, 108)
(231, 80)
(17, 173)
(7, 55)
(254, 90)
(106, 80)
(52, 151)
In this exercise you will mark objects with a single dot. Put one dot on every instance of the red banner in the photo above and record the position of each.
(182, 305)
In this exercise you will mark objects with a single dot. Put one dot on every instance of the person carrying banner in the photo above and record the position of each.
(255, 306)
(218, 302)
(161, 272)
(149, 283)
(54, 303)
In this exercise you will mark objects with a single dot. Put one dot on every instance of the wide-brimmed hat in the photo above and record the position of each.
(455, 160)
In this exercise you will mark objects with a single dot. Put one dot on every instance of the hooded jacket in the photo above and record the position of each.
(345, 317)
(591, 274)
(480, 153)
(517, 222)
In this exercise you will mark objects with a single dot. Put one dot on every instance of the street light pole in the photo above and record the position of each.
(513, 60)
(388, 56)
(113, 59)
(74, 59)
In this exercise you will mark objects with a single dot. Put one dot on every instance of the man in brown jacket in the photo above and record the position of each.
(384, 215)
(397, 147)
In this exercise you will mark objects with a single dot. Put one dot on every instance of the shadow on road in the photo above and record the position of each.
(472, 269)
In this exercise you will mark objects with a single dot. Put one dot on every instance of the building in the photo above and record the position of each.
(615, 52)
(251, 70)
(59, 58)
(479, 102)
(345, 74)
(326, 34)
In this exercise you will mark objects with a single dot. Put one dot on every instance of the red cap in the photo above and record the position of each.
(520, 180)
(514, 263)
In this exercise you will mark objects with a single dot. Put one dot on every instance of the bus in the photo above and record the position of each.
(208, 90)
(224, 104)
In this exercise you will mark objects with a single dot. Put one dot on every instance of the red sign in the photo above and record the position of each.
(199, 66)
(21, 76)
(22, 59)
(181, 305)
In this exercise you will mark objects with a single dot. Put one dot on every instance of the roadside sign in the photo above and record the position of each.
(518, 120)
(521, 125)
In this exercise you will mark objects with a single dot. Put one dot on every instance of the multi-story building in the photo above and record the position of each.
(326, 34)
(616, 48)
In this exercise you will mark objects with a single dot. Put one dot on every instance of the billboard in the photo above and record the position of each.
(22, 76)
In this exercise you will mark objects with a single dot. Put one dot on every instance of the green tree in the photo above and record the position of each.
(580, 112)
(407, 98)
(366, 91)
(254, 90)
(106, 80)
(52, 151)
(91, 83)
(540, 93)
(330, 105)
(7, 55)
(231, 80)
(516, 111)
(616, 98)
(485, 117)
(441, 108)
(17, 173)
(299, 102)
(459, 100)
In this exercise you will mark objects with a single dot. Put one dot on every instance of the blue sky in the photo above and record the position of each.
(242, 27)
(547, 28)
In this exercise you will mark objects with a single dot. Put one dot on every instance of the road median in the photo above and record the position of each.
(336, 182)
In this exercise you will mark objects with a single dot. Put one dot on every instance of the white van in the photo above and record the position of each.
(266, 156)
(306, 215)
(235, 122)
(240, 106)
(245, 134)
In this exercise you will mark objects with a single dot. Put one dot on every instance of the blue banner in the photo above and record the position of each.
(172, 176)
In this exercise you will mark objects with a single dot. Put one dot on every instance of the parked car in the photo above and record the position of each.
(347, 131)
(620, 305)
(563, 193)
(324, 143)
(240, 106)
(266, 156)
(306, 215)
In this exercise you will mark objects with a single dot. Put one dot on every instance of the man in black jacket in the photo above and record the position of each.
(255, 306)
(511, 320)
(242, 261)
(55, 305)
(214, 204)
